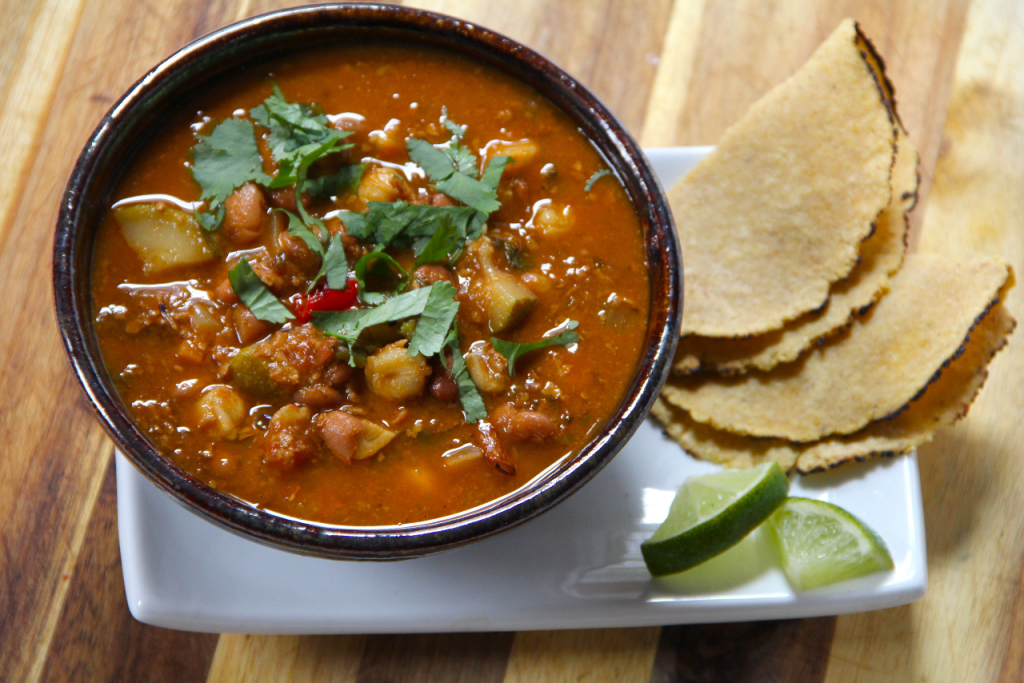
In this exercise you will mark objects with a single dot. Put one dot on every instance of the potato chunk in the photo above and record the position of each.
(503, 298)
(162, 236)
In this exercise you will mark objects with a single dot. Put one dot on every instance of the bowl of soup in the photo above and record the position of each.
(365, 282)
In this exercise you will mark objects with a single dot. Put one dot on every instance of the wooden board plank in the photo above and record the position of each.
(287, 659)
(623, 655)
(968, 627)
(27, 95)
(795, 650)
(56, 453)
(97, 639)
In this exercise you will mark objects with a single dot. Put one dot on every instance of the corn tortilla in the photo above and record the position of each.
(880, 257)
(778, 210)
(886, 359)
(943, 403)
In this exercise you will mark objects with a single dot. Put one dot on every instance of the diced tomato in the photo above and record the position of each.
(323, 299)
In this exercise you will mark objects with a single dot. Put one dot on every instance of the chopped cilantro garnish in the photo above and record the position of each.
(345, 180)
(335, 265)
(435, 163)
(333, 262)
(512, 350)
(254, 294)
(380, 264)
(472, 403)
(594, 178)
(297, 229)
(455, 129)
(446, 244)
(298, 137)
(470, 191)
(514, 255)
(348, 325)
(492, 174)
(435, 321)
(453, 168)
(222, 162)
(400, 224)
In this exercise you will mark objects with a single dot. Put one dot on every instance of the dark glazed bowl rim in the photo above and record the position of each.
(101, 162)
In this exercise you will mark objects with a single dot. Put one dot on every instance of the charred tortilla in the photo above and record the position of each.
(945, 401)
(886, 359)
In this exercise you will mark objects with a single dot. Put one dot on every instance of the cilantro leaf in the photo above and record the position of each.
(294, 165)
(222, 162)
(380, 264)
(463, 158)
(356, 224)
(299, 136)
(455, 129)
(470, 191)
(495, 167)
(453, 169)
(211, 219)
(594, 178)
(446, 243)
(334, 265)
(255, 295)
(345, 180)
(437, 317)
(292, 125)
(297, 229)
(512, 350)
(400, 224)
(435, 163)
(349, 324)
(472, 403)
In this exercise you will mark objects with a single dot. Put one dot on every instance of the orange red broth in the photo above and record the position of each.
(594, 272)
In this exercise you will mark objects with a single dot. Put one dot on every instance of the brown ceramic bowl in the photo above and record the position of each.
(115, 140)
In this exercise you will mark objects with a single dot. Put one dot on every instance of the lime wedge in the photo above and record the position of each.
(821, 544)
(711, 513)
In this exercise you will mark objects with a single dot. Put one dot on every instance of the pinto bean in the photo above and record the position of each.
(352, 438)
(523, 425)
(244, 212)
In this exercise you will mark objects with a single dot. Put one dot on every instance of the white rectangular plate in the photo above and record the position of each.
(577, 566)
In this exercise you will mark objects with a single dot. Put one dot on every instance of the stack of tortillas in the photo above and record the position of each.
(804, 340)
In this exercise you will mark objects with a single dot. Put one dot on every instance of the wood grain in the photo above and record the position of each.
(27, 88)
(969, 625)
(624, 655)
(287, 659)
(50, 477)
(795, 650)
(95, 619)
(700, 63)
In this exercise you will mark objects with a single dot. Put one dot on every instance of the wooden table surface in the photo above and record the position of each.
(676, 73)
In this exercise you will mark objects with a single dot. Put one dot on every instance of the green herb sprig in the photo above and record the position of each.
(514, 350)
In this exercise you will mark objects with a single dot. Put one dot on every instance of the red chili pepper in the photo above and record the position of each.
(323, 299)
